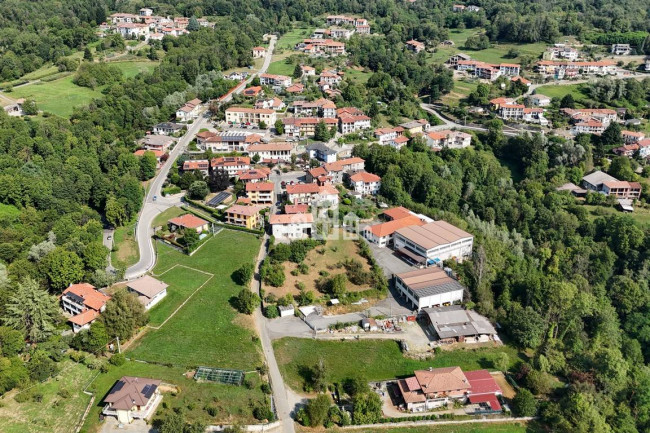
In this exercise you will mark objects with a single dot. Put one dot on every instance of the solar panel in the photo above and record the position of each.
(119, 385)
(149, 390)
(76, 298)
(218, 199)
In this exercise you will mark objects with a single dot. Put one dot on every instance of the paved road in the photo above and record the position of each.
(107, 240)
(447, 124)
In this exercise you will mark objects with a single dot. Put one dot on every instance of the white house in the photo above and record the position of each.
(429, 287)
(189, 111)
(149, 290)
(292, 226)
(84, 303)
(271, 152)
(350, 123)
(365, 183)
(259, 52)
(447, 138)
(275, 81)
(130, 30)
(538, 100)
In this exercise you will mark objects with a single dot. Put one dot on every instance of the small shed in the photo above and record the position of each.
(369, 324)
(286, 310)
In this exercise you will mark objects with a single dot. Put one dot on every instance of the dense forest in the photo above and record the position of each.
(570, 286)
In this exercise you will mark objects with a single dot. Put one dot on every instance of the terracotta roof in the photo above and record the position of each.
(131, 391)
(188, 220)
(92, 298)
(249, 110)
(260, 186)
(267, 147)
(446, 379)
(303, 188)
(147, 286)
(141, 152)
(482, 382)
(365, 177)
(295, 218)
(397, 213)
(296, 208)
(230, 161)
(341, 163)
(84, 317)
(243, 210)
(256, 173)
(388, 228)
(197, 164)
(318, 171)
(328, 190)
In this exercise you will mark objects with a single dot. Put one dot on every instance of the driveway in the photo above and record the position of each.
(288, 327)
(111, 425)
(107, 240)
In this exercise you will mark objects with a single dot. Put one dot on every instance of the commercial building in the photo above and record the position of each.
(434, 242)
(429, 287)
(250, 116)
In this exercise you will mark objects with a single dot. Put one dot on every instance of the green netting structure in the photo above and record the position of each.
(219, 375)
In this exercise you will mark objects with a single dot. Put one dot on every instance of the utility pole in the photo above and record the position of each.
(119, 350)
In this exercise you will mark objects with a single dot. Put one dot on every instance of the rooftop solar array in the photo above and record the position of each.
(218, 199)
(219, 375)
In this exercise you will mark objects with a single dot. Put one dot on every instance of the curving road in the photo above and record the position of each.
(151, 208)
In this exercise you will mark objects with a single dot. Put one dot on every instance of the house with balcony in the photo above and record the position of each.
(365, 183)
(133, 398)
(84, 303)
(291, 226)
(260, 193)
(244, 216)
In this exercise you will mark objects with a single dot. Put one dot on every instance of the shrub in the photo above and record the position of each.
(303, 268)
(266, 388)
(118, 359)
(271, 311)
(64, 393)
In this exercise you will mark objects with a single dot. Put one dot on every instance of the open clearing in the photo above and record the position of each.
(58, 97)
(371, 359)
(233, 403)
(206, 330)
(559, 91)
(640, 215)
(164, 216)
(281, 68)
(127, 252)
(515, 427)
(131, 69)
(45, 416)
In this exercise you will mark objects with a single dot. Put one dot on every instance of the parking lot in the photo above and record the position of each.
(389, 262)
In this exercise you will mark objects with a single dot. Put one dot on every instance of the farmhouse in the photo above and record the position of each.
(415, 46)
(291, 226)
(436, 387)
(271, 152)
(149, 290)
(244, 216)
(258, 52)
(434, 242)
(365, 183)
(84, 303)
(260, 192)
(188, 221)
(455, 324)
(429, 287)
(132, 398)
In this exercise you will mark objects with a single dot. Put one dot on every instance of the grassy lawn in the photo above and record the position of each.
(164, 216)
(285, 44)
(207, 330)
(517, 427)
(46, 416)
(58, 97)
(558, 91)
(640, 215)
(281, 68)
(372, 359)
(233, 403)
(126, 252)
(358, 76)
(131, 69)
(461, 90)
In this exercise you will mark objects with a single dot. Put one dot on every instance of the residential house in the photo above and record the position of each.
(321, 152)
(488, 71)
(336, 170)
(130, 30)
(273, 103)
(302, 193)
(260, 192)
(277, 82)
(561, 51)
(248, 116)
(522, 80)
(628, 150)
(292, 226)
(230, 164)
(202, 165)
(644, 148)
(365, 183)
(605, 114)
(415, 46)
(253, 91)
(599, 181)
(296, 208)
(168, 128)
(434, 242)
(15, 109)
(538, 100)
(416, 126)
(329, 79)
(149, 290)
(227, 141)
(189, 111)
(244, 216)
(647, 64)
(306, 126)
(453, 60)
(271, 152)
(621, 49)
(133, 398)
(630, 137)
(188, 221)
(327, 198)
(84, 303)
(458, 8)
(561, 70)
(260, 174)
(535, 115)
(259, 52)
(473, 8)
(589, 126)
(119, 17)
(157, 142)
(446, 138)
(438, 387)
(321, 108)
(308, 71)
(508, 108)
(428, 287)
(145, 12)
(157, 153)
(350, 123)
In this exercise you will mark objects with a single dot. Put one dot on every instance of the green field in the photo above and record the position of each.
(640, 215)
(516, 427)
(126, 248)
(360, 77)
(131, 69)
(291, 38)
(164, 216)
(57, 97)
(206, 330)
(372, 359)
(281, 68)
(461, 90)
(46, 416)
(559, 91)
(233, 403)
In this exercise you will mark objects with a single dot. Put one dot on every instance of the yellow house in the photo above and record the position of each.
(244, 216)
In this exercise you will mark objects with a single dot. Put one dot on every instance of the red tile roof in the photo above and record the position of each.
(303, 188)
(189, 221)
(84, 317)
(243, 210)
(260, 186)
(365, 177)
(388, 228)
(295, 218)
(93, 298)
(296, 208)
